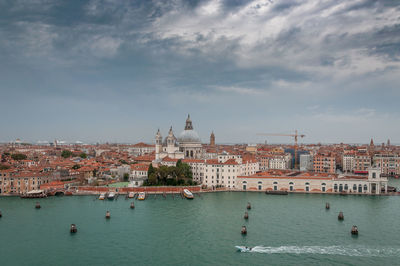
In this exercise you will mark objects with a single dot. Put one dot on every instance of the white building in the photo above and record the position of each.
(141, 148)
(283, 161)
(348, 163)
(292, 181)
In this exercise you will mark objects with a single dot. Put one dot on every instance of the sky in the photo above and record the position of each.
(116, 71)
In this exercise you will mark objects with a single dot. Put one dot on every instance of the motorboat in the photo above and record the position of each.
(243, 248)
(142, 196)
(102, 196)
(111, 196)
(188, 194)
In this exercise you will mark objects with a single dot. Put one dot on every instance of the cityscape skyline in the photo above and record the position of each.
(117, 71)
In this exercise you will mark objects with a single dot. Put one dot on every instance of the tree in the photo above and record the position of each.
(18, 156)
(4, 167)
(66, 153)
(126, 177)
(83, 155)
(151, 170)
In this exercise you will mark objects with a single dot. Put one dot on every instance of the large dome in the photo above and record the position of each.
(189, 136)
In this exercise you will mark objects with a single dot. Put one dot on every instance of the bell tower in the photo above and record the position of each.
(212, 139)
(158, 144)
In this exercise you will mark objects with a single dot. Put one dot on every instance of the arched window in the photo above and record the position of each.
(340, 187)
(365, 187)
(359, 188)
(307, 186)
(191, 153)
(187, 153)
(291, 183)
(354, 187)
(275, 183)
(346, 187)
(323, 187)
(291, 188)
(259, 182)
(244, 185)
(335, 186)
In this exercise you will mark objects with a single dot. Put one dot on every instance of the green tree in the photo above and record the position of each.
(151, 170)
(126, 177)
(66, 153)
(83, 155)
(18, 156)
(4, 167)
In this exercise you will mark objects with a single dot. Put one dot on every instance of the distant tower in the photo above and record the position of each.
(388, 142)
(371, 145)
(212, 139)
(189, 125)
(158, 144)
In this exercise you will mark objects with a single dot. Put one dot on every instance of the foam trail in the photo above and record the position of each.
(357, 251)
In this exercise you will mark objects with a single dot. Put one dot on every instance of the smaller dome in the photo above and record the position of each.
(189, 136)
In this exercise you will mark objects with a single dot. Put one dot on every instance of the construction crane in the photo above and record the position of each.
(296, 137)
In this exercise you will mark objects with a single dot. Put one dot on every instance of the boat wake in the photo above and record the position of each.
(359, 251)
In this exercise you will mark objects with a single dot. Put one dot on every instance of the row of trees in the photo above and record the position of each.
(178, 175)
(68, 153)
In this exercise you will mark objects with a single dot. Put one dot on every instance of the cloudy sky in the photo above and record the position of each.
(103, 70)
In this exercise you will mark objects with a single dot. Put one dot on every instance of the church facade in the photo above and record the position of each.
(186, 146)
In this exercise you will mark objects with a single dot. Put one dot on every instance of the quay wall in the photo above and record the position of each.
(166, 189)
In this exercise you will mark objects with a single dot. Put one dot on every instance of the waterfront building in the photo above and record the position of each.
(138, 174)
(306, 162)
(308, 182)
(374, 183)
(12, 182)
(222, 172)
(197, 167)
(388, 163)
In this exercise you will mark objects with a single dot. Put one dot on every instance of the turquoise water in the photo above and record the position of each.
(293, 229)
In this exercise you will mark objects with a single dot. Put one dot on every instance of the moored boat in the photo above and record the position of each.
(187, 194)
(34, 194)
(73, 229)
(111, 196)
(354, 230)
(131, 195)
(102, 196)
(142, 196)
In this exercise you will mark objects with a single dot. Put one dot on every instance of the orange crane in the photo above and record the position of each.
(295, 135)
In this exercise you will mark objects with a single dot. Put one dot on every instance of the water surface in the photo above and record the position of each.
(294, 229)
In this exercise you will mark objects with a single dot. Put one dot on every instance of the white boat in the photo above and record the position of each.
(142, 196)
(131, 195)
(102, 196)
(111, 196)
(243, 248)
(188, 194)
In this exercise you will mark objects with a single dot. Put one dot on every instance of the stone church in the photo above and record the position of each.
(186, 146)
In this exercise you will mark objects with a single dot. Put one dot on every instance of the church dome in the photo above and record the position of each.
(189, 136)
